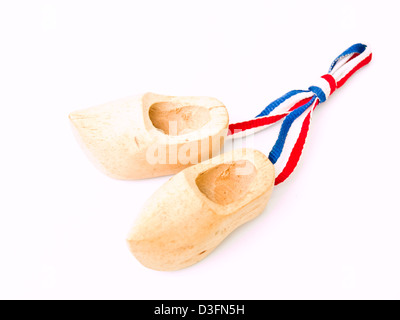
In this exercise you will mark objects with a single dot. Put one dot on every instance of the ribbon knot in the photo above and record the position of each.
(324, 87)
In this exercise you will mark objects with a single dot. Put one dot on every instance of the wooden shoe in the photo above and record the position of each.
(151, 135)
(195, 210)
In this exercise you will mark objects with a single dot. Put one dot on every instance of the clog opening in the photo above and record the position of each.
(174, 119)
(227, 182)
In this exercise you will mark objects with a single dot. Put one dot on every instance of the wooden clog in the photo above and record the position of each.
(196, 209)
(151, 135)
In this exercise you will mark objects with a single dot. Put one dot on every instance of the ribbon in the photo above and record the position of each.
(293, 104)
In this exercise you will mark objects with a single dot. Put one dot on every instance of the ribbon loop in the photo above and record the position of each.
(297, 102)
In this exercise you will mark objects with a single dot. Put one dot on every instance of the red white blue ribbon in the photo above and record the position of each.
(295, 103)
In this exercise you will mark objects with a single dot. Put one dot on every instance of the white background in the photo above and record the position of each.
(331, 231)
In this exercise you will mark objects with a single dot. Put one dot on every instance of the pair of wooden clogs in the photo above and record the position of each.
(153, 135)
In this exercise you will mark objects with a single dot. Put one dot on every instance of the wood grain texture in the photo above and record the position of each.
(195, 210)
(151, 135)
